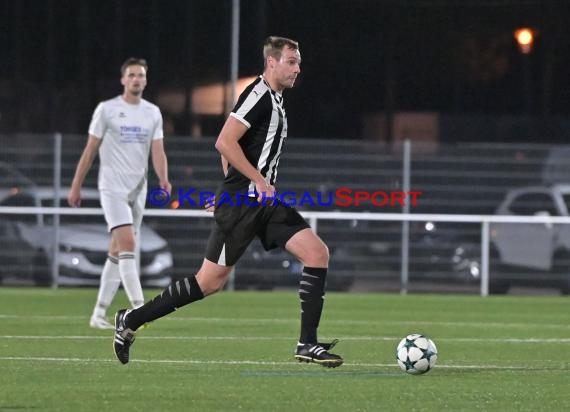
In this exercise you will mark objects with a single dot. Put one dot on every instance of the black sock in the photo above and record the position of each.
(312, 294)
(178, 294)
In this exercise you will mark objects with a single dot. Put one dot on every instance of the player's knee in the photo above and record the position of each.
(318, 256)
(323, 255)
(123, 239)
(212, 286)
(209, 283)
(126, 244)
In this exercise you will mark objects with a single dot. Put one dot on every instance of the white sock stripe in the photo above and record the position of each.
(126, 255)
(178, 287)
(187, 284)
(303, 291)
(113, 259)
(305, 283)
(310, 276)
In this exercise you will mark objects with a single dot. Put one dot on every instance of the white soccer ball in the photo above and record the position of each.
(416, 354)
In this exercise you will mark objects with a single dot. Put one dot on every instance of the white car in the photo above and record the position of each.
(83, 241)
(533, 253)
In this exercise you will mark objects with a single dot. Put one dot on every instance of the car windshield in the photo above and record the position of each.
(74, 219)
(30, 199)
(11, 178)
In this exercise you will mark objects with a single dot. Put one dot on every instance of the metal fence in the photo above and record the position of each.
(443, 243)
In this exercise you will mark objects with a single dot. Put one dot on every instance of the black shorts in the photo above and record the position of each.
(235, 227)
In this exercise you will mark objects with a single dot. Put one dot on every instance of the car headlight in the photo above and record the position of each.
(429, 226)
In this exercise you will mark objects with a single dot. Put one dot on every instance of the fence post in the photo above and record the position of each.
(313, 223)
(406, 172)
(56, 203)
(484, 257)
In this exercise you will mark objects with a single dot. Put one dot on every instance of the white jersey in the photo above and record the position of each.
(127, 131)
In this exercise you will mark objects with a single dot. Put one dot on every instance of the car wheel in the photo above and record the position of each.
(498, 274)
(561, 269)
(41, 274)
(499, 287)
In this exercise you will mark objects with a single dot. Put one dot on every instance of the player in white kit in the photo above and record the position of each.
(125, 131)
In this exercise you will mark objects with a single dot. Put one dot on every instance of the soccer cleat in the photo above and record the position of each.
(124, 337)
(330, 345)
(318, 353)
(100, 322)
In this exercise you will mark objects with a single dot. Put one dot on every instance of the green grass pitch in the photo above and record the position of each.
(233, 351)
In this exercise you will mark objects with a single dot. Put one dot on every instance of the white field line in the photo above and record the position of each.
(247, 362)
(233, 321)
(274, 338)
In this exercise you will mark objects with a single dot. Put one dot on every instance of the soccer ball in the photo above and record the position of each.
(416, 354)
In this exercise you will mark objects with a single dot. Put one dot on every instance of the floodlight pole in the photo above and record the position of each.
(234, 62)
(231, 96)
(57, 139)
(405, 255)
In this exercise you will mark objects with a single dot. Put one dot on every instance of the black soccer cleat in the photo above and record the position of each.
(124, 337)
(318, 353)
(330, 345)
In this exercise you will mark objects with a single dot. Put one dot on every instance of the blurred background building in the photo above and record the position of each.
(386, 70)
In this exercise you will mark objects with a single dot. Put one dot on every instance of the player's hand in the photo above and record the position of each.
(166, 186)
(266, 193)
(74, 197)
(210, 204)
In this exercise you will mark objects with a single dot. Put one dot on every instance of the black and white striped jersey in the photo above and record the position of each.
(261, 109)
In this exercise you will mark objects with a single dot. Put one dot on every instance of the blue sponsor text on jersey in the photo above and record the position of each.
(133, 134)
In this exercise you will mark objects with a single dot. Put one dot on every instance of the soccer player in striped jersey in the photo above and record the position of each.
(250, 144)
(124, 130)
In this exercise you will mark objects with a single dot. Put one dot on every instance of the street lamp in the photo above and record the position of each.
(525, 40)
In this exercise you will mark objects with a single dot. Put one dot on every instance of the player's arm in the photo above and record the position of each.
(225, 165)
(83, 166)
(228, 146)
(160, 164)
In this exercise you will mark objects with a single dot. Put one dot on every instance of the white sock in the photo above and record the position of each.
(130, 278)
(110, 281)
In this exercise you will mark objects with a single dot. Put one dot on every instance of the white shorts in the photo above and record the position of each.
(122, 209)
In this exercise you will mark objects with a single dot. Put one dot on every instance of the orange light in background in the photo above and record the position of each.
(209, 99)
(525, 39)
